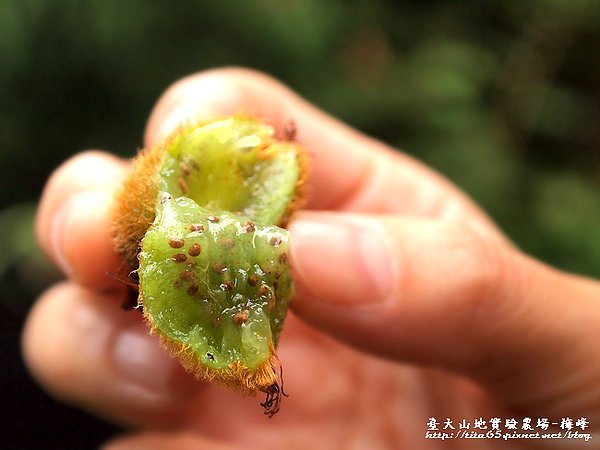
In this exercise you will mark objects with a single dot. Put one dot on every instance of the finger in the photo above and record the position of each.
(86, 350)
(73, 221)
(161, 441)
(349, 171)
(83, 348)
(435, 293)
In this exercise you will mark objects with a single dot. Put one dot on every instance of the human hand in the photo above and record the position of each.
(411, 304)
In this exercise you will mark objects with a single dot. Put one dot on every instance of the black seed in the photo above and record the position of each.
(274, 241)
(179, 257)
(263, 289)
(210, 356)
(213, 219)
(196, 227)
(194, 249)
(175, 242)
(249, 226)
(252, 280)
(182, 185)
(241, 317)
(283, 258)
(192, 289)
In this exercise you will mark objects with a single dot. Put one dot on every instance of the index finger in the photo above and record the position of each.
(349, 170)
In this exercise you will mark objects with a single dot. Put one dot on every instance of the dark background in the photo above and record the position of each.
(502, 97)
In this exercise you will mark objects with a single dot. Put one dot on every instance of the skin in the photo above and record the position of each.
(411, 304)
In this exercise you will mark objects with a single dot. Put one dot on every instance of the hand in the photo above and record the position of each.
(411, 304)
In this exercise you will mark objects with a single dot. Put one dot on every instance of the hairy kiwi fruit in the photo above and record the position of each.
(200, 221)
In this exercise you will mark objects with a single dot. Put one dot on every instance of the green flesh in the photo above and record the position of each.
(225, 169)
(228, 302)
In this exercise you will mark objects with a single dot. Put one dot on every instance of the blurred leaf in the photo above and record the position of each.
(24, 270)
(567, 210)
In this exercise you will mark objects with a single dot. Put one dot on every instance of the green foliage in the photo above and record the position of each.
(567, 212)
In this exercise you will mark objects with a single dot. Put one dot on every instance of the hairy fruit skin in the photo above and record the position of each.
(198, 220)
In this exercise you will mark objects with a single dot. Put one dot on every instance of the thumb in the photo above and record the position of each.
(437, 293)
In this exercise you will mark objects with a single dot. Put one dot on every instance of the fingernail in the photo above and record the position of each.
(58, 234)
(68, 228)
(140, 359)
(341, 259)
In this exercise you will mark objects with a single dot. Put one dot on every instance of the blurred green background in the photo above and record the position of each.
(501, 97)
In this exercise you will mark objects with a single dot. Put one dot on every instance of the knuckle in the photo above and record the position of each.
(489, 265)
(482, 304)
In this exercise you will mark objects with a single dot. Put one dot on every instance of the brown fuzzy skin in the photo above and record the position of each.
(135, 205)
(133, 214)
